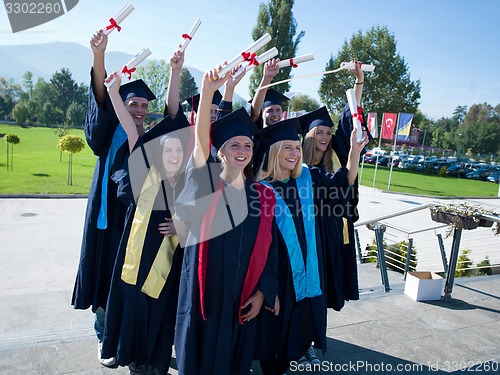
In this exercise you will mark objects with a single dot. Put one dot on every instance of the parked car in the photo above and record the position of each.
(382, 160)
(457, 171)
(479, 174)
(494, 177)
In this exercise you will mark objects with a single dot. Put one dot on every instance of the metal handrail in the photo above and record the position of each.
(397, 213)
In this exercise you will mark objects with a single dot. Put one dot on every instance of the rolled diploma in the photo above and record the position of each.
(296, 60)
(353, 106)
(191, 33)
(268, 55)
(352, 66)
(136, 60)
(258, 44)
(120, 17)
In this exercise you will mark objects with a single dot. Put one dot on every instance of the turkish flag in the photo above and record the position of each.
(388, 125)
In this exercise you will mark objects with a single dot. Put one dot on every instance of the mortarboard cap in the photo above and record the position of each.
(232, 125)
(273, 97)
(281, 131)
(137, 88)
(194, 101)
(319, 117)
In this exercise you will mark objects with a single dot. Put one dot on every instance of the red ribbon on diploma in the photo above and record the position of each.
(250, 57)
(187, 36)
(359, 115)
(292, 63)
(128, 71)
(113, 24)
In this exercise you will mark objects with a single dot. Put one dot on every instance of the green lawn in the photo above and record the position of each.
(405, 181)
(37, 170)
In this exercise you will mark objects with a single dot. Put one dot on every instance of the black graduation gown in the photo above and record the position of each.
(341, 145)
(288, 335)
(139, 328)
(331, 226)
(219, 344)
(100, 246)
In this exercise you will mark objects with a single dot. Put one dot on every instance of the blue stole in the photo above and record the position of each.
(119, 137)
(305, 276)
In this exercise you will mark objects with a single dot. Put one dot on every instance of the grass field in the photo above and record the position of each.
(405, 181)
(37, 170)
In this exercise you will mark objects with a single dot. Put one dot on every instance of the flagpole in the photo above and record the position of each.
(376, 159)
(393, 152)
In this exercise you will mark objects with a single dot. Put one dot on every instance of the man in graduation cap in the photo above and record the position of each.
(267, 103)
(105, 214)
(271, 109)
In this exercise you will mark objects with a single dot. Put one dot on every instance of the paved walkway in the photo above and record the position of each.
(40, 333)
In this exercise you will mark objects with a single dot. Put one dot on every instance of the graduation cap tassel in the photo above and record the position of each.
(266, 161)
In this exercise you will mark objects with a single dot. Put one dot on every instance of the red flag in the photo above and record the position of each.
(388, 125)
(372, 124)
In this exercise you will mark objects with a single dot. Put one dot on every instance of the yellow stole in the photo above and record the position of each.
(162, 264)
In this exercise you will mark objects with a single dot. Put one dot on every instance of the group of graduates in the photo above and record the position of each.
(226, 240)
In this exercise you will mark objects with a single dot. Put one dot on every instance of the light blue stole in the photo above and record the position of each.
(119, 137)
(306, 280)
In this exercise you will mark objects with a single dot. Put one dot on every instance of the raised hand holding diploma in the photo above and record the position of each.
(130, 67)
(353, 106)
(114, 23)
(352, 65)
(189, 36)
(247, 55)
(261, 59)
(294, 61)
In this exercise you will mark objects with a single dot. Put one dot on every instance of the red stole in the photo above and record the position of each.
(260, 250)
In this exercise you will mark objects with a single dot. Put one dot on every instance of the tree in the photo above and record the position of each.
(28, 83)
(388, 89)
(20, 113)
(51, 114)
(302, 102)
(9, 96)
(71, 144)
(187, 87)
(12, 139)
(156, 75)
(277, 19)
(75, 114)
(480, 130)
(63, 91)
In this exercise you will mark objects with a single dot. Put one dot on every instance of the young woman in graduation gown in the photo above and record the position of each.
(328, 152)
(302, 196)
(229, 270)
(140, 313)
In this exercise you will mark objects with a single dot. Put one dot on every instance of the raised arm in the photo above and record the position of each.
(271, 69)
(173, 95)
(359, 83)
(210, 84)
(98, 70)
(121, 111)
(354, 152)
(231, 84)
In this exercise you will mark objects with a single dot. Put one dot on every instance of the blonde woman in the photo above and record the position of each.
(302, 197)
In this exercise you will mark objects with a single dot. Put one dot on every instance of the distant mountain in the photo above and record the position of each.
(43, 60)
